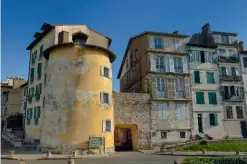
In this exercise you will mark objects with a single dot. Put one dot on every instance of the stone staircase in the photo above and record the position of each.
(10, 138)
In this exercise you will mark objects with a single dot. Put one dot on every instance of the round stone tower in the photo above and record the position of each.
(78, 102)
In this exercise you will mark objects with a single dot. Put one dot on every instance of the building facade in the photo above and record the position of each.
(70, 88)
(157, 63)
(217, 88)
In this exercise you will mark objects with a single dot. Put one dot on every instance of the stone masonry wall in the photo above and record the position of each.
(134, 108)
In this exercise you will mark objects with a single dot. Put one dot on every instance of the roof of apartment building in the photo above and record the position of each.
(174, 34)
(23, 85)
(112, 56)
(48, 27)
(6, 85)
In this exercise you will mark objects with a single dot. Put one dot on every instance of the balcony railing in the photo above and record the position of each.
(233, 59)
(164, 94)
(179, 69)
(233, 98)
(231, 77)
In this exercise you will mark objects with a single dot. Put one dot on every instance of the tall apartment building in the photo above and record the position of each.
(157, 63)
(70, 88)
(217, 89)
(243, 60)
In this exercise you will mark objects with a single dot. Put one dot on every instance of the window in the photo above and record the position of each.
(163, 111)
(229, 113)
(43, 101)
(178, 64)
(222, 52)
(224, 39)
(224, 70)
(203, 57)
(160, 65)
(160, 87)
(127, 63)
(39, 72)
(212, 98)
(45, 79)
(180, 88)
(107, 126)
(163, 135)
(195, 56)
(181, 111)
(32, 75)
(41, 52)
(200, 98)
(105, 98)
(197, 76)
(29, 116)
(158, 43)
(245, 62)
(210, 78)
(213, 118)
(36, 115)
(239, 111)
(182, 135)
(175, 44)
(34, 54)
(106, 72)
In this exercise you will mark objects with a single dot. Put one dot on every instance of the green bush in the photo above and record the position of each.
(218, 160)
(224, 147)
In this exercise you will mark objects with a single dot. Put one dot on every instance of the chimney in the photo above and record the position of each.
(176, 32)
(206, 28)
(241, 46)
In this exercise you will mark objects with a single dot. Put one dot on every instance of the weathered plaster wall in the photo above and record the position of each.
(233, 128)
(134, 109)
(14, 103)
(172, 125)
(33, 131)
(94, 37)
(73, 110)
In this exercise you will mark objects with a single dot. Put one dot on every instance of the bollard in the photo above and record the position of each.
(172, 151)
(21, 162)
(48, 154)
(237, 152)
(74, 153)
(71, 161)
(203, 151)
(11, 154)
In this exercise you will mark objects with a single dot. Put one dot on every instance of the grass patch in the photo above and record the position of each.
(218, 160)
(224, 147)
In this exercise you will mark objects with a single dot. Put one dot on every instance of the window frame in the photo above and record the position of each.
(210, 96)
(229, 108)
(242, 112)
(182, 134)
(163, 136)
(198, 94)
(210, 78)
(158, 43)
(163, 110)
(105, 130)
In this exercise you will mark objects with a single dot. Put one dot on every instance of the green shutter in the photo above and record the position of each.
(197, 76)
(40, 88)
(216, 119)
(214, 58)
(210, 78)
(37, 90)
(212, 119)
(32, 75)
(38, 112)
(200, 98)
(212, 98)
(39, 71)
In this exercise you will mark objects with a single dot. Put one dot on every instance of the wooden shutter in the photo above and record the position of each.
(154, 87)
(110, 98)
(212, 119)
(185, 64)
(102, 97)
(110, 73)
(187, 87)
(165, 42)
(197, 76)
(151, 41)
(170, 88)
(153, 62)
(103, 125)
(102, 70)
(166, 63)
(171, 63)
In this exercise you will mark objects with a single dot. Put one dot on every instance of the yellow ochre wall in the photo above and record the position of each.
(73, 110)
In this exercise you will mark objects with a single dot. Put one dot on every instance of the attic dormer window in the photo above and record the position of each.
(79, 38)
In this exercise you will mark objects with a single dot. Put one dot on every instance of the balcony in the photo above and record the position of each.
(164, 94)
(230, 78)
(232, 59)
(233, 98)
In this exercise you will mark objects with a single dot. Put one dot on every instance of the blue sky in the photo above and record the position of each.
(117, 19)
